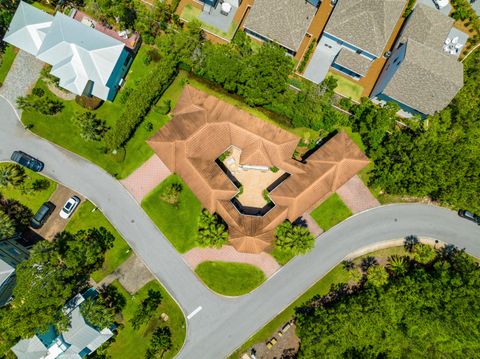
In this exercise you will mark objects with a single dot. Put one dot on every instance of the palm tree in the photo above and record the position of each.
(368, 262)
(12, 175)
(410, 242)
(7, 227)
(397, 265)
(348, 265)
(294, 239)
(212, 232)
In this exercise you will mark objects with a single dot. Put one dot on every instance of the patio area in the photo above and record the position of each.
(254, 179)
(214, 20)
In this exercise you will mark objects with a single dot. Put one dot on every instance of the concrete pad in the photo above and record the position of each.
(357, 196)
(263, 261)
(146, 178)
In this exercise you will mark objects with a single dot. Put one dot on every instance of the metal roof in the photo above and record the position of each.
(78, 54)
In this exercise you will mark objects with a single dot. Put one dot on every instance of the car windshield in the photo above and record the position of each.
(68, 205)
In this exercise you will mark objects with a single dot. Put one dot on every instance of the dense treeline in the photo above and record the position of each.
(439, 160)
(261, 79)
(54, 273)
(428, 310)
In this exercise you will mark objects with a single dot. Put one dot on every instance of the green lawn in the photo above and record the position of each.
(281, 257)
(7, 61)
(166, 217)
(62, 130)
(347, 88)
(231, 279)
(132, 344)
(31, 199)
(322, 287)
(46, 8)
(331, 212)
(190, 13)
(84, 218)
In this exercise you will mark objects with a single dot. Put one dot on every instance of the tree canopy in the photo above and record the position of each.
(429, 311)
(293, 239)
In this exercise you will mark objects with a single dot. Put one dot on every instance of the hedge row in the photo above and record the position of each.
(139, 102)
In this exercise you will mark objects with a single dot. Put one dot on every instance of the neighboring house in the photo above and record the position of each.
(203, 127)
(355, 36)
(422, 76)
(78, 341)
(87, 62)
(282, 21)
(11, 254)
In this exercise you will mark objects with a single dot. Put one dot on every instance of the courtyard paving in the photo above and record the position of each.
(146, 178)
(357, 196)
(263, 261)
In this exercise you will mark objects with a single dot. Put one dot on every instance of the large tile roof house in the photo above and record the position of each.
(86, 61)
(420, 76)
(77, 342)
(203, 127)
(360, 30)
(283, 21)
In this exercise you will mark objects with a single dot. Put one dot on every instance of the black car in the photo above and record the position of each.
(42, 215)
(469, 215)
(27, 161)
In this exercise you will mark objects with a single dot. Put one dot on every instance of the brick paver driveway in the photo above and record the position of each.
(357, 196)
(146, 178)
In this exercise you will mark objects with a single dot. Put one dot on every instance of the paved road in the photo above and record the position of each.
(225, 323)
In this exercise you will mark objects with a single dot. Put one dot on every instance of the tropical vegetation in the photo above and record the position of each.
(212, 230)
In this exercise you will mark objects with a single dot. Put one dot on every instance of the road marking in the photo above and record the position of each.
(192, 314)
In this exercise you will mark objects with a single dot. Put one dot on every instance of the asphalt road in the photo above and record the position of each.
(223, 324)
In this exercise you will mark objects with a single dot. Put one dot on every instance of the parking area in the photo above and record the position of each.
(55, 223)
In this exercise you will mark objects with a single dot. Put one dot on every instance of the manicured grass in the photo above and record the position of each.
(7, 61)
(331, 212)
(44, 7)
(33, 199)
(166, 216)
(190, 13)
(62, 130)
(84, 218)
(131, 343)
(281, 257)
(231, 279)
(347, 88)
(320, 288)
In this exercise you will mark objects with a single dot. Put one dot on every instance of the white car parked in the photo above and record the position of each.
(69, 207)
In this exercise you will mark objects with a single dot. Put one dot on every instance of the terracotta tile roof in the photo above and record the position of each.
(203, 127)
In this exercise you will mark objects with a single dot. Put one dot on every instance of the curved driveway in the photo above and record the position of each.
(225, 323)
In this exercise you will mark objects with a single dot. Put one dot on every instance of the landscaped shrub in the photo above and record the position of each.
(91, 127)
(164, 107)
(409, 8)
(124, 95)
(307, 55)
(171, 194)
(37, 101)
(293, 239)
(139, 103)
(224, 155)
(212, 231)
(90, 103)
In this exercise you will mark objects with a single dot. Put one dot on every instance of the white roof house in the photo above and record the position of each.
(6, 274)
(87, 61)
(77, 342)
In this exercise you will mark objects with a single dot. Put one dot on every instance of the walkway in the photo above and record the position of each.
(22, 77)
(263, 260)
(357, 196)
(146, 178)
(218, 325)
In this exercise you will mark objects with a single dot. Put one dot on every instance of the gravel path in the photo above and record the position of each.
(22, 77)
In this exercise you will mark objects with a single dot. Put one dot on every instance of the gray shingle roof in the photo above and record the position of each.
(31, 348)
(367, 24)
(427, 80)
(353, 61)
(427, 26)
(283, 21)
